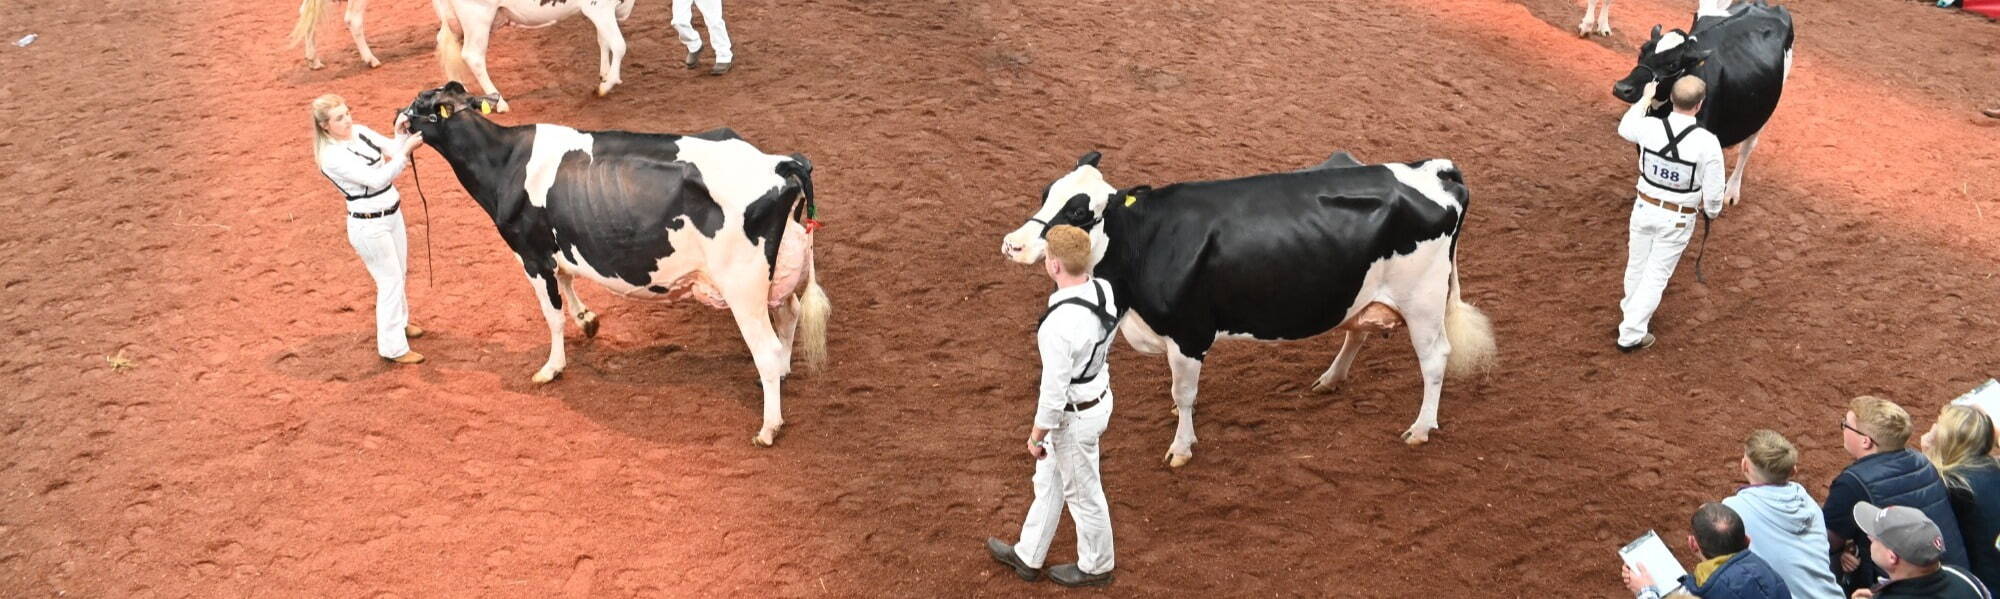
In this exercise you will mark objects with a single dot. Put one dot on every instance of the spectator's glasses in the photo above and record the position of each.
(1843, 424)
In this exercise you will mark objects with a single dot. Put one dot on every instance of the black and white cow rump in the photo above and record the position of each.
(647, 216)
(1744, 57)
(1338, 247)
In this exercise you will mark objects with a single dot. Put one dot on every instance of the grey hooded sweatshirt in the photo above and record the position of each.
(1788, 530)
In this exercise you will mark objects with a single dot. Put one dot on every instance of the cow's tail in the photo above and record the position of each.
(1468, 329)
(309, 13)
(813, 306)
(451, 57)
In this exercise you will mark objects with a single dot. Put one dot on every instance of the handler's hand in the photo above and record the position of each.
(402, 123)
(1849, 560)
(1652, 87)
(410, 143)
(1863, 594)
(1038, 451)
(1636, 580)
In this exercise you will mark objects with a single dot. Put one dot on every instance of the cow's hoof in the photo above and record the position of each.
(1583, 30)
(500, 106)
(1326, 386)
(374, 63)
(604, 89)
(1176, 460)
(1415, 437)
(765, 438)
(544, 376)
(589, 323)
(315, 64)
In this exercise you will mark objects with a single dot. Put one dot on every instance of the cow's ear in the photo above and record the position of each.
(1089, 159)
(444, 111)
(454, 87)
(1656, 37)
(1132, 196)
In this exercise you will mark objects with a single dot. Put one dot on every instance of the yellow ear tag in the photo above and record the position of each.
(444, 112)
(485, 107)
(1130, 200)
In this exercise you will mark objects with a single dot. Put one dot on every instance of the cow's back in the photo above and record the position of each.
(1746, 72)
(1280, 256)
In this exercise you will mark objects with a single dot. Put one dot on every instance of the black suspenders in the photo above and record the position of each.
(1671, 150)
(1104, 317)
(1675, 174)
(371, 162)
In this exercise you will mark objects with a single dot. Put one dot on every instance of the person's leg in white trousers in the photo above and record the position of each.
(1069, 476)
(1658, 237)
(718, 32)
(383, 248)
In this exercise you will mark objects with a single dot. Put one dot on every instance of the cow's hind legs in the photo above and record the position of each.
(785, 320)
(1187, 381)
(747, 302)
(356, 16)
(585, 319)
(1349, 348)
(1734, 191)
(610, 45)
(548, 291)
(1433, 352)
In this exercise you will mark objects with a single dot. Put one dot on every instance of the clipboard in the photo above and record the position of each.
(1649, 550)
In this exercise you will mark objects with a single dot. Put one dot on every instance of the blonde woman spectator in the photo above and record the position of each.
(1960, 445)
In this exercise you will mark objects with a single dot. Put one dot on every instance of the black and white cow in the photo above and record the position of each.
(647, 216)
(1744, 58)
(1341, 246)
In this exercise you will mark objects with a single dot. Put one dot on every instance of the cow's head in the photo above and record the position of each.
(1664, 58)
(435, 108)
(1078, 198)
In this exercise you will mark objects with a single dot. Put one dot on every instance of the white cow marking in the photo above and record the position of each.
(552, 142)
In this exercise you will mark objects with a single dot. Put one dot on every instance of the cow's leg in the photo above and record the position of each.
(478, 27)
(548, 290)
(1604, 18)
(1349, 348)
(1187, 381)
(307, 28)
(785, 320)
(1734, 191)
(748, 298)
(1426, 321)
(355, 17)
(610, 44)
(585, 319)
(1589, 18)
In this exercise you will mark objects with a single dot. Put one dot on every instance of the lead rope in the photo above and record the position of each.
(1707, 228)
(430, 274)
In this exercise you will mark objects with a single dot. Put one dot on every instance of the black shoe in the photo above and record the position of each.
(1070, 576)
(720, 68)
(1004, 553)
(694, 59)
(1644, 342)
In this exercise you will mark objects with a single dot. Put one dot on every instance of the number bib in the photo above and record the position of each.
(1665, 169)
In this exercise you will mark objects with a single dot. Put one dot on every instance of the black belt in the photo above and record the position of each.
(391, 210)
(1078, 407)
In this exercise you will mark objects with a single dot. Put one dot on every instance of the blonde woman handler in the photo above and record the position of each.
(363, 165)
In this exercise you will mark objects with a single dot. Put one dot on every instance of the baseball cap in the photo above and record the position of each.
(1904, 530)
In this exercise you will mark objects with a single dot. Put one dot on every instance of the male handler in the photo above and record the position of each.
(1074, 406)
(1680, 173)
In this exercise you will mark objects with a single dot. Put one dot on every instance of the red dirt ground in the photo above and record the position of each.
(161, 207)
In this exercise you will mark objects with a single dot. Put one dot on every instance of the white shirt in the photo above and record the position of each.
(358, 170)
(1070, 339)
(1699, 147)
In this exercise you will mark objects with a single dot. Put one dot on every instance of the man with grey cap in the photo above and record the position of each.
(1909, 547)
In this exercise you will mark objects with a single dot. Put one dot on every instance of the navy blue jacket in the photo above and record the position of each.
(1978, 511)
(1902, 478)
(1742, 576)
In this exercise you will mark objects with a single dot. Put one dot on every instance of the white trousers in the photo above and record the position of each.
(1068, 476)
(711, 13)
(383, 247)
(1659, 235)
